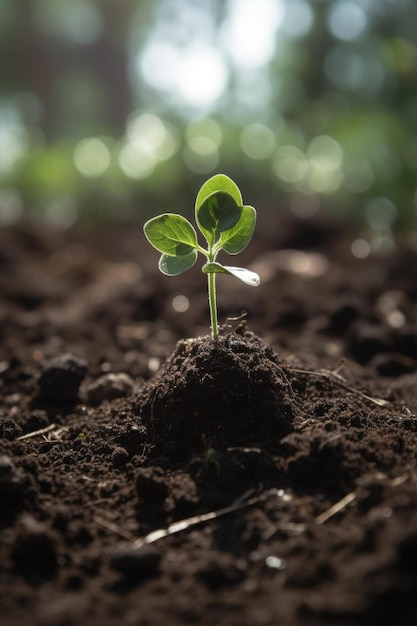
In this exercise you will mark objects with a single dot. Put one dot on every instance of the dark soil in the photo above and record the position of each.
(278, 462)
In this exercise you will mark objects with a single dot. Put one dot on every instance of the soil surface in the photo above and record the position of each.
(152, 475)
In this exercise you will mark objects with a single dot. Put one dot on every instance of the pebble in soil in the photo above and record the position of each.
(217, 392)
(109, 387)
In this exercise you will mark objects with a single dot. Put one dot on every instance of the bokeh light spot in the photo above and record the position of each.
(196, 75)
(325, 152)
(92, 157)
(347, 69)
(203, 146)
(290, 164)
(257, 141)
(205, 127)
(203, 137)
(180, 303)
(358, 176)
(298, 18)
(11, 206)
(274, 562)
(136, 164)
(249, 34)
(150, 135)
(159, 64)
(197, 161)
(360, 248)
(347, 20)
(14, 141)
(82, 23)
(203, 77)
(381, 213)
(322, 180)
(62, 211)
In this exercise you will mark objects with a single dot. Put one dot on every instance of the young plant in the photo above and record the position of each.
(226, 224)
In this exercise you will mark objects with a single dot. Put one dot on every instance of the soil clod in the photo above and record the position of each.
(136, 562)
(109, 387)
(61, 378)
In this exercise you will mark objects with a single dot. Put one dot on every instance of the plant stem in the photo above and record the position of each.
(212, 303)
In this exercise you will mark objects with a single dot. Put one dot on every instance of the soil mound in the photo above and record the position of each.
(225, 391)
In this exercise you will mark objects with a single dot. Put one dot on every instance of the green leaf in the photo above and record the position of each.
(171, 234)
(219, 182)
(174, 265)
(246, 276)
(237, 238)
(218, 213)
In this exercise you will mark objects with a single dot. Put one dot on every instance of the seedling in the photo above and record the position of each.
(226, 224)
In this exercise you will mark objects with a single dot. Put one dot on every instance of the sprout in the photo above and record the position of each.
(225, 223)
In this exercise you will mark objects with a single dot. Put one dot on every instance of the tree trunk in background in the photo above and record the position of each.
(39, 62)
(34, 70)
(110, 62)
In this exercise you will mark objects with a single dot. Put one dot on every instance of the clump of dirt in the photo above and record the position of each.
(225, 391)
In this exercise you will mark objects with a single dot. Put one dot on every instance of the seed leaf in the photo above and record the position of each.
(237, 238)
(171, 234)
(174, 265)
(218, 213)
(246, 276)
(219, 182)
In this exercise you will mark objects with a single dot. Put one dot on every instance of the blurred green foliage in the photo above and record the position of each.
(108, 108)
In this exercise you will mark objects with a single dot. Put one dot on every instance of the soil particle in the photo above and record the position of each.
(61, 378)
(11, 483)
(151, 485)
(405, 342)
(343, 312)
(222, 571)
(9, 429)
(34, 547)
(184, 495)
(368, 341)
(393, 364)
(119, 456)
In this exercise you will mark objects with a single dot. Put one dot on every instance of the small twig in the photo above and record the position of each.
(35, 433)
(236, 318)
(406, 411)
(336, 508)
(57, 434)
(113, 528)
(329, 440)
(350, 497)
(189, 522)
(399, 480)
(339, 380)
